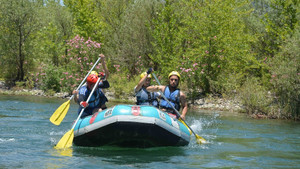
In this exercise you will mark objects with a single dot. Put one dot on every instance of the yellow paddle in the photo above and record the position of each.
(199, 139)
(67, 140)
(60, 113)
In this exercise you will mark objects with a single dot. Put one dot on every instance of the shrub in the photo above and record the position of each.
(254, 97)
(285, 70)
(121, 85)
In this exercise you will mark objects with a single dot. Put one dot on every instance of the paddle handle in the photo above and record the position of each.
(178, 114)
(86, 76)
(95, 86)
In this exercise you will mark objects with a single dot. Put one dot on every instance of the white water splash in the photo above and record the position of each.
(2, 140)
(203, 125)
(55, 133)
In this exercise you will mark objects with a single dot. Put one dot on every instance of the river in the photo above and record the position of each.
(27, 138)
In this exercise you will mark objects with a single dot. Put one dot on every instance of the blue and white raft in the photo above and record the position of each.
(131, 126)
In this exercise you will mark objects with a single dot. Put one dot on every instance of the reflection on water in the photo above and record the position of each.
(119, 155)
(62, 152)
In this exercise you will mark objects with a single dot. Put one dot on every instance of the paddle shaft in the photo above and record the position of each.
(95, 86)
(86, 76)
(178, 114)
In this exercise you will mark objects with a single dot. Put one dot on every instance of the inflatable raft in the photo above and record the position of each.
(131, 126)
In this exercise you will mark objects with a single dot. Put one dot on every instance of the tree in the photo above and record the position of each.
(87, 20)
(207, 41)
(166, 39)
(279, 19)
(19, 22)
(285, 79)
(57, 29)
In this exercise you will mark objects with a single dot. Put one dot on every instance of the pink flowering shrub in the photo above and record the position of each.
(81, 56)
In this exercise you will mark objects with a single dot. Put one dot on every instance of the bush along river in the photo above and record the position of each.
(27, 139)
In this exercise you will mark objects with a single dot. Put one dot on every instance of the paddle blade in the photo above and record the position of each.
(66, 141)
(200, 140)
(60, 113)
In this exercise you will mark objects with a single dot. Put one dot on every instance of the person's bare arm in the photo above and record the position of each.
(75, 93)
(184, 105)
(141, 83)
(155, 88)
(104, 66)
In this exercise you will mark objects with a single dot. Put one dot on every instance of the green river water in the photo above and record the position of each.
(27, 138)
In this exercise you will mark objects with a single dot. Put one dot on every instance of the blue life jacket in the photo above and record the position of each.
(173, 97)
(97, 99)
(143, 97)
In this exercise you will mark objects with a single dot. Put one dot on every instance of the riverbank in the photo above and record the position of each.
(207, 103)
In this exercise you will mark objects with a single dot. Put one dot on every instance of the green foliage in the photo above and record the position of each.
(207, 41)
(127, 35)
(166, 42)
(19, 22)
(285, 69)
(280, 21)
(81, 56)
(255, 97)
(87, 20)
(49, 79)
(56, 31)
(218, 46)
(121, 86)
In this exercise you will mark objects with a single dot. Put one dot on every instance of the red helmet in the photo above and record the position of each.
(92, 79)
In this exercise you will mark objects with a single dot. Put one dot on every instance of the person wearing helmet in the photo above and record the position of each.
(98, 99)
(143, 97)
(173, 94)
(94, 73)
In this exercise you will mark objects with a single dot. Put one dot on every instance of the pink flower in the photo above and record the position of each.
(206, 51)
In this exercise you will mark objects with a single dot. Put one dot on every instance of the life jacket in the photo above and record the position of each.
(173, 97)
(143, 97)
(97, 99)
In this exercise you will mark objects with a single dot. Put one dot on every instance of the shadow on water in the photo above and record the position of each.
(120, 155)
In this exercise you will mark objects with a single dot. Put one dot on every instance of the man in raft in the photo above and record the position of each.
(98, 99)
(143, 97)
(173, 94)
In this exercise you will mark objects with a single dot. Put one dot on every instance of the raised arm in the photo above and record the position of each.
(104, 66)
(141, 83)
